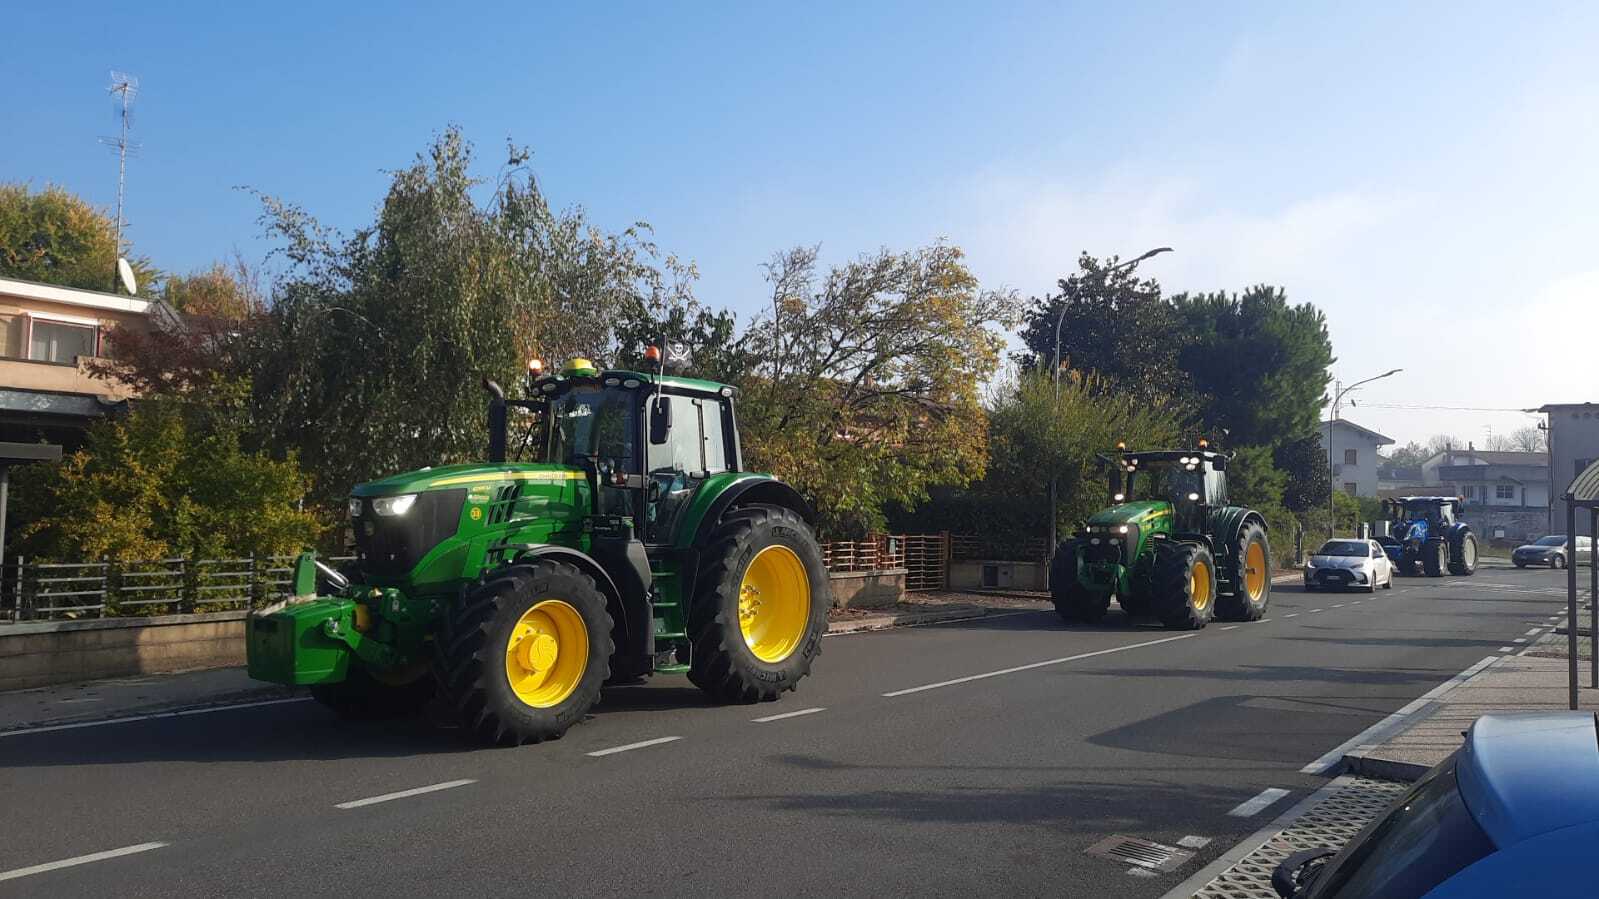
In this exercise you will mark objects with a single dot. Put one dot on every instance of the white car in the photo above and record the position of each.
(1349, 563)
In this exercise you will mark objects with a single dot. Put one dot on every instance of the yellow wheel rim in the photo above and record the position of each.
(774, 603)
(1199, 585)
(547, 653)
(1255, 570)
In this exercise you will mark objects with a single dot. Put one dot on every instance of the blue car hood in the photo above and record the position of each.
(1527, 774)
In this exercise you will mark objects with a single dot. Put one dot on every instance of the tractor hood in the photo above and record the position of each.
(468, 475)
(1139, 512)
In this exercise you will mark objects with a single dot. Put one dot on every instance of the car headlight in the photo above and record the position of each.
(355, 507)
(394, 505)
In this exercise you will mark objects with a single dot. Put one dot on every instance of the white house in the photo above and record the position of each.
(1573, 446)
(1354, 456)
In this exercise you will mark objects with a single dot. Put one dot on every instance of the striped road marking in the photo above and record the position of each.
(79, 860)
(405, 794)
(632, 746)
(1253, 807)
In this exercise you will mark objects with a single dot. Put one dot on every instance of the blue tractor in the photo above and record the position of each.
(1424, 530)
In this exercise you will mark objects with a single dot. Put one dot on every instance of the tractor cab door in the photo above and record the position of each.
(694, 444)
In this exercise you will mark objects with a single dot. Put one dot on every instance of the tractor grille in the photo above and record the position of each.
(1109, 549)
(391, 545)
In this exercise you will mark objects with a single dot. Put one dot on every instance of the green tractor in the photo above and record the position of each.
(633, 544)
(1182, 555)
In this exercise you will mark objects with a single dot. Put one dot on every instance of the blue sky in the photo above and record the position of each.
(1429, 175)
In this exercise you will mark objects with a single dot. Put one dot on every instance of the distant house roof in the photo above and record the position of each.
(1552, 407)
(72, 296)
(1368, 433)
(1399, 473)
(1494, 457)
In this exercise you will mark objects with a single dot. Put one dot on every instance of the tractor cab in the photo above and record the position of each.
(1191, 480)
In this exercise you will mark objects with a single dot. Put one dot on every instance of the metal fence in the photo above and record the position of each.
(989, 549)
(53, 590)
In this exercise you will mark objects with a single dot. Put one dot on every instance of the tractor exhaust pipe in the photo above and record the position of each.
(496, 421)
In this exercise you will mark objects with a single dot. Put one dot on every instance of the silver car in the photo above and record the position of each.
(1349, 563)
(1553, 551)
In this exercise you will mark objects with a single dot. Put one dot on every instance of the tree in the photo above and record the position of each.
(1037, 437)
(1257, 365)
(1255, 481)
(370, 358)
(865, 387)
(1529, 439)
(1115, 326)
(169, 479)
(1411, 455)
(1304, 461)
(222, 292)
(55, 237)
(1438, 443)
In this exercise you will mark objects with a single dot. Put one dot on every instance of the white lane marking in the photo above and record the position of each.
(1262, 621)
(788, 715)
(1356, 602)
(80, 699)
(1252, 807)
(1194, 842)
(1292, 615)
(79, 860)
(1507, 649)
(151, 717)
(1380, 730)
(1338, 605)
(1230, 627)
(1313, 611)
(631, 746)
(1519, 640)
(405, 794)
(1084, 655)
(1535, 632)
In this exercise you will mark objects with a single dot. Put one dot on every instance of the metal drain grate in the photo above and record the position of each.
(1139, 852)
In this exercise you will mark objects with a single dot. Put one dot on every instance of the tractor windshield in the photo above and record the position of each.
(592, 421)
(1184, 486)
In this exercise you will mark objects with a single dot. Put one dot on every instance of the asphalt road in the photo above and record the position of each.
(1026, 743)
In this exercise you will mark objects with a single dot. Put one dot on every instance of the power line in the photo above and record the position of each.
(1446, 408)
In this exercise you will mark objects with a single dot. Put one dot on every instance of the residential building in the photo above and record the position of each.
(1354, 456)
(47, 336)
(1573, 445)
(1506, 493)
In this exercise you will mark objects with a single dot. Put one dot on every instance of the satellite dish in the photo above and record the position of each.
(126, 271)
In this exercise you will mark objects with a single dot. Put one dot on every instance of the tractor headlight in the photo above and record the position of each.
(1122, 529)
(394, 505)
(355, 507)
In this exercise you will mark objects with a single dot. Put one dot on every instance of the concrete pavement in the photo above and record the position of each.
(974, 757)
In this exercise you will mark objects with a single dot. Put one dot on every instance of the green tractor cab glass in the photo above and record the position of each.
(1170, 546)
(598, 542)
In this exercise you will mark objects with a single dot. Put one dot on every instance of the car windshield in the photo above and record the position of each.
(1344, 548)
(1421, 842)
(591, 421)
(1555, 540)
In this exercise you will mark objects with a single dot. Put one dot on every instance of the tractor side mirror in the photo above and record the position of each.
(660, 420)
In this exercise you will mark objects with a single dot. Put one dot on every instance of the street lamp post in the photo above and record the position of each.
(1332, 420)
(1054, 479)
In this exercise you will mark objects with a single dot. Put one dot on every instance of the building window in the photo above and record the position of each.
(1350, 487)
(1504, 491)
(1471, 492)
(59, 341)
(11, 337)
(1351, 456)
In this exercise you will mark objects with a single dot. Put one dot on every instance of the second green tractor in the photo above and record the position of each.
(1170, 546)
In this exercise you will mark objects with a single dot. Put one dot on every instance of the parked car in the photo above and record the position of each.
(1513, 812)
(1553, 551)
(1349, 563)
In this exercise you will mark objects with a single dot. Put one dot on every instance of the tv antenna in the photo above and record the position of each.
(124, 88)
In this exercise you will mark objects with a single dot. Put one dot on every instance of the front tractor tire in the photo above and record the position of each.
(1434, 558)
(1074, 603)
(1185, 585)
(524, 655)
(760, 606)
(1251, 592)
(367, 696)
(1463, 554)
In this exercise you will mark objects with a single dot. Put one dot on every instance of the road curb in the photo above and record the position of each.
(912, 619)
(1363, 759)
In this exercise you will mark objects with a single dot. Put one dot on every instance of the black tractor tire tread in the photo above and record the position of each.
(1236, 605)
(1074, 603)
(1173, 602)
(465, 654)
(1432, 558)
(719, 661)
(1458, 565)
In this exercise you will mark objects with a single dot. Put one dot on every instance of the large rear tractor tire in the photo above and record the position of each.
(366, 696)
(1463, 554)
(523, 657)
(1185, 585)
(1074, 603)
(1433, 558)
(760, 606)
(1251, 578)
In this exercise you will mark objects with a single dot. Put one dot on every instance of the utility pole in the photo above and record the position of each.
(1054, 478)
(124, 87)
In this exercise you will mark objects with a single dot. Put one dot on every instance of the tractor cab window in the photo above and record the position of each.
(1181, 484)
(592, 422)
(695, 448)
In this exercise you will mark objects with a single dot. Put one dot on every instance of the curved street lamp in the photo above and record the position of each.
(1332, 420)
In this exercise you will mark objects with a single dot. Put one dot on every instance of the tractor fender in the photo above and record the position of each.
(626, 619)
(722, 492)
(1232, 523)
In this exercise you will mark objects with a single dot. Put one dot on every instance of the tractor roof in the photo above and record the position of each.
(1172, 455)
(1428, 499)
(670, 382)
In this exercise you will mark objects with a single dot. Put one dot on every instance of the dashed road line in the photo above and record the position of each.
(1230, 627)
(810, 711)
(631, 746)
(1292, 615)
(1262, 621)
(181, 713)
(1507, 649)
(1338, 605)
(404, 794)
(1252, 807)
(1535, 632)
(1519, 640)
(987, 674)
(79, 860)
(1313, 611)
